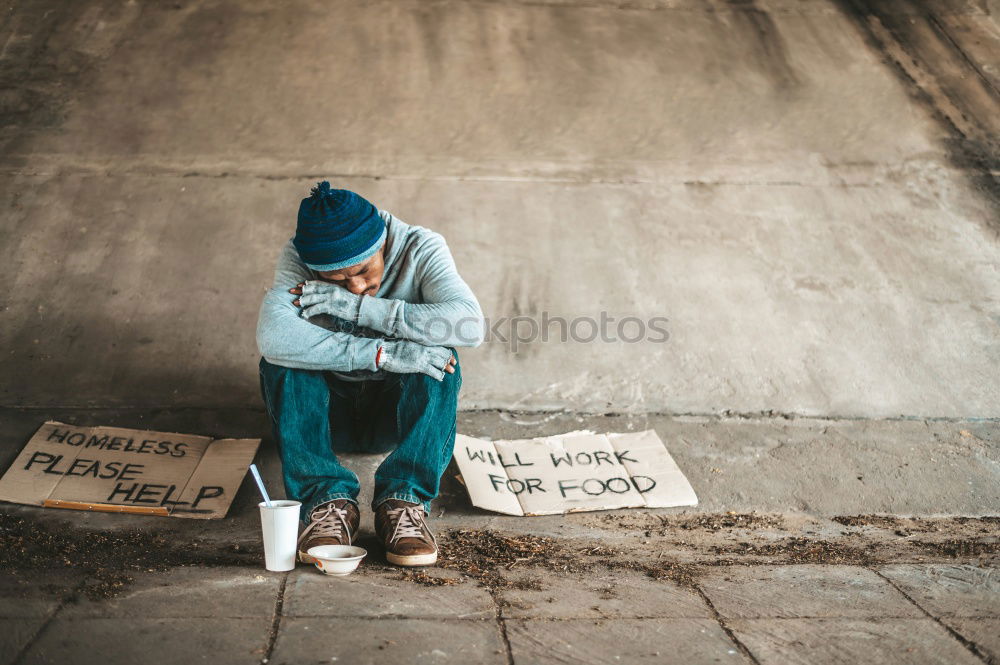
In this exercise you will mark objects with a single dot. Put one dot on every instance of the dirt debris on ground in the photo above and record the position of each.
(108, 559)
(805, 550)
(483, 554)
(421, 577)
(661, 525)
(904, 526)
(685, 574)
(486, 555)
(683, 549)
(730, 539)
(728, 521)
(960, 548)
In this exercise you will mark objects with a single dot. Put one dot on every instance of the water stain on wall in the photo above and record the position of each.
(47, 50)
(760, 42)
(933, 67)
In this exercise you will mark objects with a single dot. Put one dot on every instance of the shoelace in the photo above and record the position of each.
(323, 527)
(409, 523)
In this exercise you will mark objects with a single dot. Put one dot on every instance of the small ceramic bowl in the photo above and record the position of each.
(337, 559)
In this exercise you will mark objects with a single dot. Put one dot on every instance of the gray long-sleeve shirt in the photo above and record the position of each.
(421, 298)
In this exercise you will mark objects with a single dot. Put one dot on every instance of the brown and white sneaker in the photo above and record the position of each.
(331, 523)
(402, 528)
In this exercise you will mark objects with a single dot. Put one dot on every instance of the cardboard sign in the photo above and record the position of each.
(571, 472)
(128, 470)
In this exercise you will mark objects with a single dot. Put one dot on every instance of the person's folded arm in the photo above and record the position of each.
(285, 338)
(450, 314)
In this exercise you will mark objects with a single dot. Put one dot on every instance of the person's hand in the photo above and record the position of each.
(406, 357)
(316, 297)
(450, 367)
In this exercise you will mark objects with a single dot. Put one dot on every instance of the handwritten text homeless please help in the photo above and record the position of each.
(153, 494)
(180, 475)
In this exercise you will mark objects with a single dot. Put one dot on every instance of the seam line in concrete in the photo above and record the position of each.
(971, 646)
(279, 606)
(19, 658)
(155, 407)
(487, 616)
(583, 181)
(740, 415)
(622, 6)
(492, 617)
(194, 616)
(823, 617)
(725, 627)
(730, 6)
(502, 625)
(725, 415)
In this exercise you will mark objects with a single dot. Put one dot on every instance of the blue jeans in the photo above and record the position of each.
(315, 415)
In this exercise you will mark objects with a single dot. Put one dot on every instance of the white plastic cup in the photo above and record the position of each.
(279, 525)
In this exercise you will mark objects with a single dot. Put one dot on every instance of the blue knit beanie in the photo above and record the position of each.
(337, 228)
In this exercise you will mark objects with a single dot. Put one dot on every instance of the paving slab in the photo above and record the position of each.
(850, 641)
(983, 633)
(803, 591)
(120, 641)
(14, 635)
(188, 593)
(602, 595)
(380, 594)
(950, 590)
(388, 642)
(599, 642)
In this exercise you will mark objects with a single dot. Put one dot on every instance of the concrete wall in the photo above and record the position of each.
(821, 237)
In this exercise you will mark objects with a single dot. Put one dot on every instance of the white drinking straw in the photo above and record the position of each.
(260, 484)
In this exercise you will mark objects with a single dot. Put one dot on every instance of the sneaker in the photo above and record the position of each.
(402, 528)
(331, 523)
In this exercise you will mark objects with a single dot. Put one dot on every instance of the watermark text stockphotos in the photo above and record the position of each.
(515, 331)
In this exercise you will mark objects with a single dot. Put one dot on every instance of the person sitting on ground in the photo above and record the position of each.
(357, 336)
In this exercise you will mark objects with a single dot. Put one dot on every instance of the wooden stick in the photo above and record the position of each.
(106, 507)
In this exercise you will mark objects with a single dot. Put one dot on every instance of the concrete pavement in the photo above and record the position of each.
(810, 466)
(814, 542)
(738, 612)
